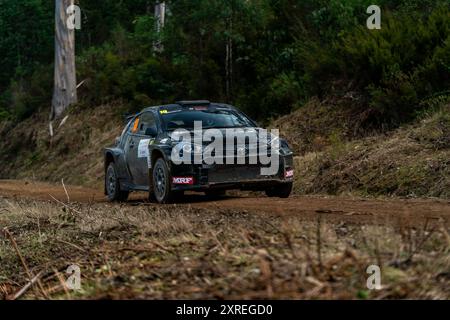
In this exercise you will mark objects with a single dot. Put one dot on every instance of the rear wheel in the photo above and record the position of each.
(161, 186)
(113, 186)
(282, 191)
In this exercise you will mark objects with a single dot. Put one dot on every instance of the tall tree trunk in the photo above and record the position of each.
(65, 85)
(229, 62)
(160, 17)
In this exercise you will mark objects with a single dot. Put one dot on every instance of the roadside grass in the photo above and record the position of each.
(174, 252)
(75, 153)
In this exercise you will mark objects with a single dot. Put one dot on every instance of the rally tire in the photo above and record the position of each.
(161, 184)
(112, 185)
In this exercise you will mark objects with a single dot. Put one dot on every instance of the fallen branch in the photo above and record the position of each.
(71, 244)
(62, 283)
(319, 241)
(65, 190)
(63, 121)
(81, 83)
(22, 291)
(50, 129)
(446, 236)
(65, 205)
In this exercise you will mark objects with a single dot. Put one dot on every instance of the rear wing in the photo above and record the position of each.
(194, 103)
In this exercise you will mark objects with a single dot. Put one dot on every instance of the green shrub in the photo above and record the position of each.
(4, 114)
(26, 96)
(397, 69)
(285, 92)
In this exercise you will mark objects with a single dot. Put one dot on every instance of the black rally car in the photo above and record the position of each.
(142, 159)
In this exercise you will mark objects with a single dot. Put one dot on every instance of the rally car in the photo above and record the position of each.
(143, 156)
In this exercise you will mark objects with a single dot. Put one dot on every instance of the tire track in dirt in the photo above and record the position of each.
(355, 210)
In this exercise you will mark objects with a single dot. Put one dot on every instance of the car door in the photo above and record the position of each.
(137, 148)
(130, 149)
(121, 160)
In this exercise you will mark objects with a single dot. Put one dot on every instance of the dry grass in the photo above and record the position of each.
(146, 251)
(75, 153)
(319, 124)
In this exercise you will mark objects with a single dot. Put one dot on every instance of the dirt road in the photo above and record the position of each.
(357, 210)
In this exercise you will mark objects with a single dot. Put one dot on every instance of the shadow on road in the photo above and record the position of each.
(189, 198)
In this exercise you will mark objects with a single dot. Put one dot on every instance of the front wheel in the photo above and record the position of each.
(281, 191)
(161, 186)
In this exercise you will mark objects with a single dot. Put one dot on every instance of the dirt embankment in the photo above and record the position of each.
(74, 154)
(337, 153)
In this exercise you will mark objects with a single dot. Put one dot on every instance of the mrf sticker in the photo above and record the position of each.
(183, 180)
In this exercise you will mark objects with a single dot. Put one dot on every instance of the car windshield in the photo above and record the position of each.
(210, 119)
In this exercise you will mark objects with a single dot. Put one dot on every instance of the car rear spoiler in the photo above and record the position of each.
(193, 103)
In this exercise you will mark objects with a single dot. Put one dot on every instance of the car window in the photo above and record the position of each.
(209, 118)
(147, 120)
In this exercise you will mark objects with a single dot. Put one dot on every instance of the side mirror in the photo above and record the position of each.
(151, 132)
(117, 141)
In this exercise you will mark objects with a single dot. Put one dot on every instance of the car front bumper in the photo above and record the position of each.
(243, 177)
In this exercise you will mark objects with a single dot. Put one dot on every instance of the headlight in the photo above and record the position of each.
(284, 146)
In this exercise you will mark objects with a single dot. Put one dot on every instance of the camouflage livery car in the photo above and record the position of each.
(143, 158)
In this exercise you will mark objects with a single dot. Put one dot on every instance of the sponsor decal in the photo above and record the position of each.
(143, 151)
(183, 180)
(289, 174)
(167, 111)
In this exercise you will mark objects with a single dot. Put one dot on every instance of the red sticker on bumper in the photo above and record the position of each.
(289, 174)
(183, 180)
